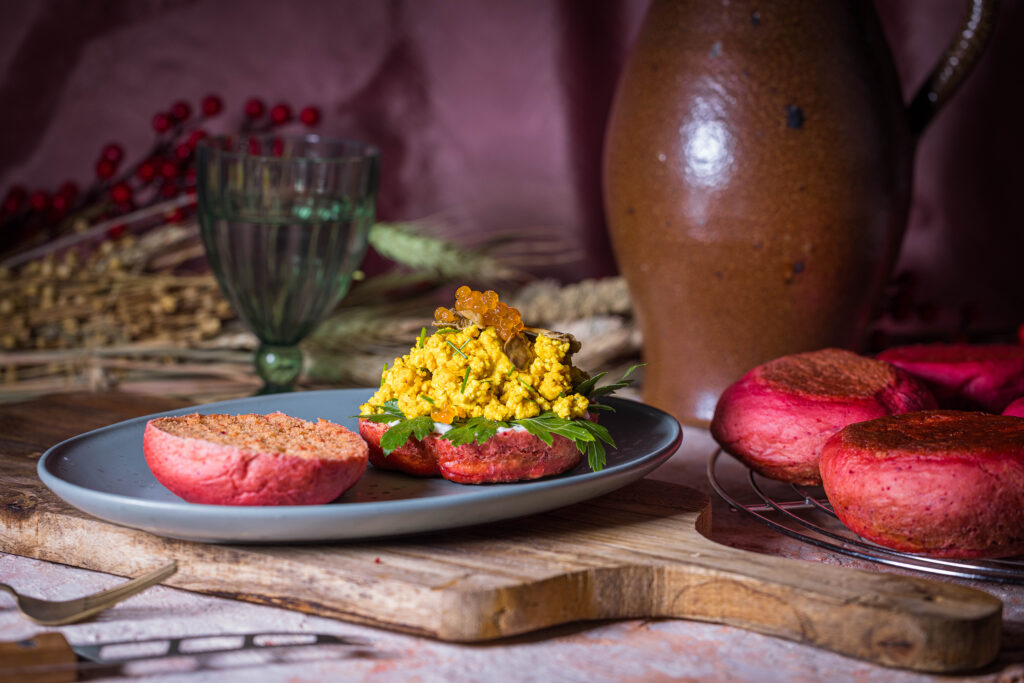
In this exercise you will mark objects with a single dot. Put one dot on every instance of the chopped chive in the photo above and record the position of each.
(465, 380)
(457, 349)
(464, 343)
(526, 384)
(383, 374)
(447, 330)
(509, 373)
(423, 337)
(427, 398)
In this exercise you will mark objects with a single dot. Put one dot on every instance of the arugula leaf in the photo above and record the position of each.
(395, 437)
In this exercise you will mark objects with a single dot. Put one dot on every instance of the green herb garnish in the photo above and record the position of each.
(457, 349)
(395, 437)
(526, 384)
(465, 380)
(423, 338)
(427, 399)
(475, 429)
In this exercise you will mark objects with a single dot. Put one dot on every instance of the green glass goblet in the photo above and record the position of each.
(284, 220)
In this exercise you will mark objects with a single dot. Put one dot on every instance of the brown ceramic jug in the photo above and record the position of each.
(757, 179)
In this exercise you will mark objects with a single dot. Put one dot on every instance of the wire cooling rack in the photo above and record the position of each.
(803, 513)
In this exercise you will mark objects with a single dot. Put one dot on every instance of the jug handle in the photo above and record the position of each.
(955, 64)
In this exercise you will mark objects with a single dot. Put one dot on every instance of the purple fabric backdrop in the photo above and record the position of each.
(489, 113)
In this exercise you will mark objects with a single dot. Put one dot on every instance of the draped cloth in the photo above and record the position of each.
(490, 114)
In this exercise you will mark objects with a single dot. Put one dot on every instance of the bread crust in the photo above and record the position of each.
(942, 483)
(965, 376)
(778, 416)
(215, 471)
(512, 455)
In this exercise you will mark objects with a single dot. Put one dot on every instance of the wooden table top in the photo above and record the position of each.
(617, 650)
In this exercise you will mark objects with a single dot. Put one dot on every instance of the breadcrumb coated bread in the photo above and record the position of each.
(253, 459)
(944, 483)
(778, 416)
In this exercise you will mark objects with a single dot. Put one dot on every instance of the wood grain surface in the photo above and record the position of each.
(638, 552)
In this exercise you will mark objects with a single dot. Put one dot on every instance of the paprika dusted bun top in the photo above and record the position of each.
(778, 416)
(944, 483)
(253, 459)
(939, 433)
(830, 373)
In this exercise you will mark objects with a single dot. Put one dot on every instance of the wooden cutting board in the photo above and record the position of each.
(638, 552)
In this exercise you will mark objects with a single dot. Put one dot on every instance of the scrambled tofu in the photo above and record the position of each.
(465, 373)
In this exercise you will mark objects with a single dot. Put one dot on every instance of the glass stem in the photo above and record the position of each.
(279, 366)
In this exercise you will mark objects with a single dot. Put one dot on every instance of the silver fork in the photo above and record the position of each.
(58, 612)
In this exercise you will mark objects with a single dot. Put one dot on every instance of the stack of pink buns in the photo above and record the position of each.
(896, 470)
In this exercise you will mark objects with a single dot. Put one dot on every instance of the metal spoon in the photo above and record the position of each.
(56, 613)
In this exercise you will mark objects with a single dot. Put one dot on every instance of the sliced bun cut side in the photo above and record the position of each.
(253, 459)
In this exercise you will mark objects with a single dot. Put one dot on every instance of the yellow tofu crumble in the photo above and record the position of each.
(434, 378)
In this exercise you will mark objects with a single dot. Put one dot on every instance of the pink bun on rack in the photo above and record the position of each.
(1016, 408)
(944, 483)
(778, 416)
(965, 376)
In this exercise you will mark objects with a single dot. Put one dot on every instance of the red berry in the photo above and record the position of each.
(280, 113)
(105, 169)
(183, 151)
(60, 203)
(14, 198)
(196, 135)
(161, 122)
(180, 110)
(168, 169)
(169, 190)
(147, 171)
(277, 147)
(112, 152)
(115, 231)
(254, 146)
(310, 116)
(254, 108)
(121, 193)
(68, 190)
(190, 175)
(212, 105)
(39, 200)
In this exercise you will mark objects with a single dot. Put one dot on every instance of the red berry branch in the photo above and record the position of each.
(165, 173)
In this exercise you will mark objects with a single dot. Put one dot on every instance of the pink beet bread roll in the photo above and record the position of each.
(513, 455)
(943, 483)
(778, 416)
(983, 376)
(253, 459)
(1015, 409)
(415, 457)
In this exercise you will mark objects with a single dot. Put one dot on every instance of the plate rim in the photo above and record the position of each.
(232, 513)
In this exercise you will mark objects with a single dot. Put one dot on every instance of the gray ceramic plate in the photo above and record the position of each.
(104, 473)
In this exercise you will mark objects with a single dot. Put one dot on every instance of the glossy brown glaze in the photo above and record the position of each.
(757, 171)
